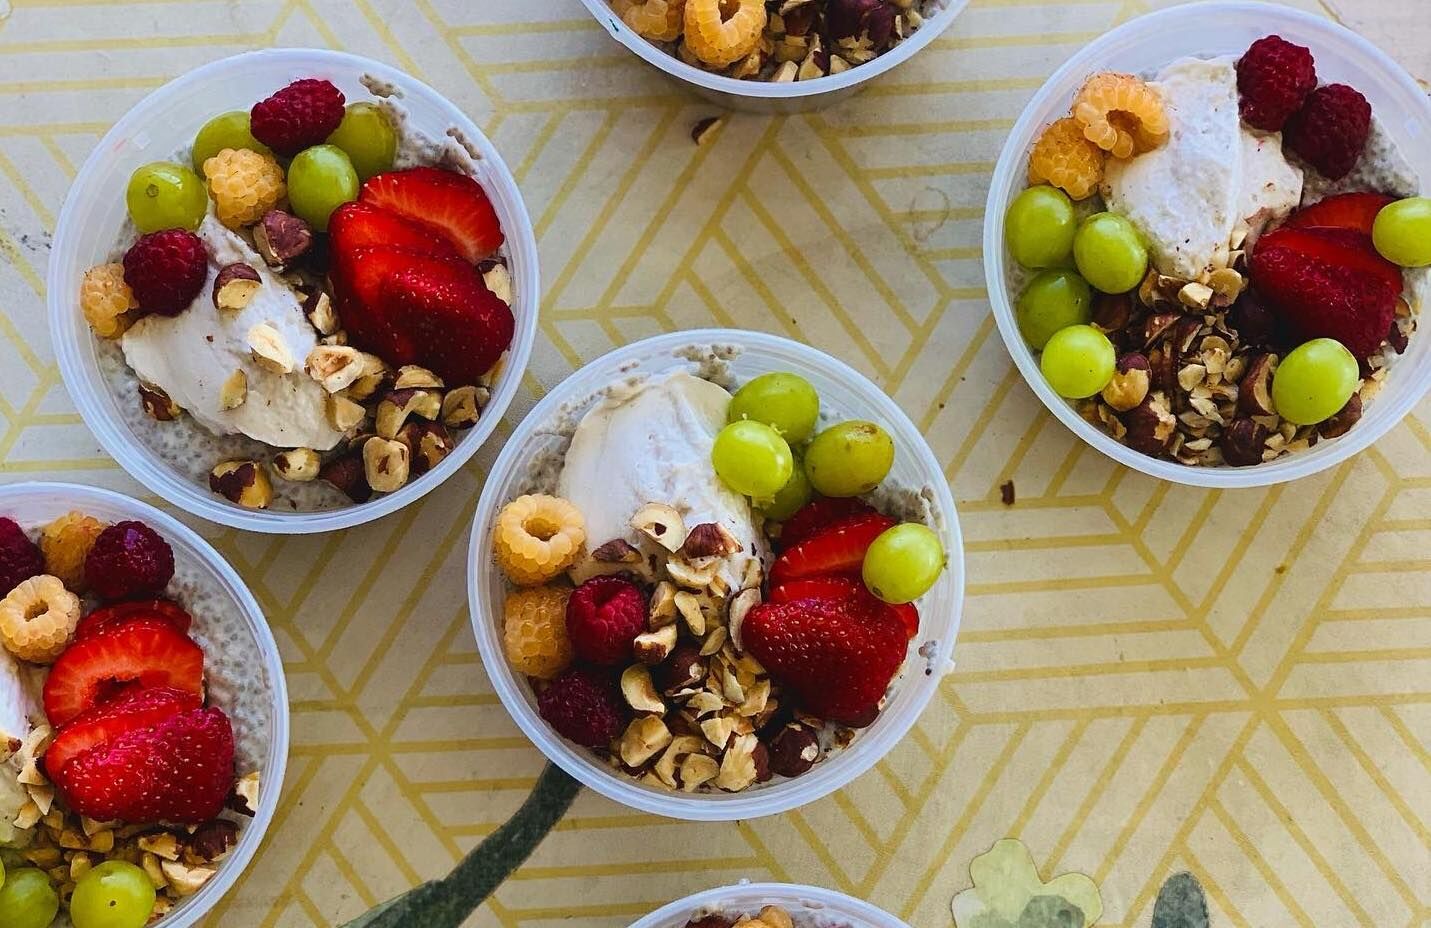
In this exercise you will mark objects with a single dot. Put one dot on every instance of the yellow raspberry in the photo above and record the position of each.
(38, 618)
(657, 20)
(1062, 156)
(1121, 114)
(721, 32)
(65, 543)
(107, 300)
(534, 631)
(537, 537)
(244, 184)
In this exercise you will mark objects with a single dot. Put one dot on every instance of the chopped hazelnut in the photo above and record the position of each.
(242, 482)
(213, 840)
(395, 408)
(499, 280)
(663, 604)
(644, 737)
(428, 444)
(639, 692)
(1341, 423)
(185, 880)
(269, 349)
(682, 670)
(794, 750)
(235, 286)
(335, 367)
(1254, 397)
(347, 473)
(233, 392)
(662, 524)
(1151, 425)
(1243, 442)
(297, 465)
(460, 408)
(157, 404)
(709, 539)
(282, 238)
(319, 307)
(706, 129)
(655, 646)
(617, 551)
(411, 375)
(344, 414)
(1131, 381)
(740, 607)
(386, 464)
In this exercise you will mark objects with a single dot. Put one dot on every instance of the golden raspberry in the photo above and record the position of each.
(537, 537)
(657, 20)
(65, 543)
(721, 32)
(1064, 158)
(534, 631)
(244, 184)
(1121, 114)
(106, 300)
(38, 618)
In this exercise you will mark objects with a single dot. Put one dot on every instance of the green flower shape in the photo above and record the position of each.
(1008, 893)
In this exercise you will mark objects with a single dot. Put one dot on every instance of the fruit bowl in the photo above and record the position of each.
(811, 906)
(94, 212)
(769, 97)
(1145, 45)
(245, 671)
(844, 394)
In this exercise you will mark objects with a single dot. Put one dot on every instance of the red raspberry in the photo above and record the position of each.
(20, 559)
(603, 618)
(129, 559)
(1274, 78)
(166, 270)
(1331, 129)
(583, 706)
(299, 116)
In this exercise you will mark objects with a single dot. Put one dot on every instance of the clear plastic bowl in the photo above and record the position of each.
(844, 394)
(819, 905)
(1147, 44)
(36, 503)
(769, 97)
(165, 121)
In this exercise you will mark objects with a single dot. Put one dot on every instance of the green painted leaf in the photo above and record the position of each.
(1180, 904)
(447, 903)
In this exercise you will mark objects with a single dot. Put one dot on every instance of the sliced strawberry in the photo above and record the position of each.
(837, 550)
(1338, 248)
(108, 617)
(1356, 211)
(130, 711)
(842, 588)
(363, 225)
(451, 203)
(457, 326)
(817, 515)
(148, 652)
(180, 770)
(358, 276)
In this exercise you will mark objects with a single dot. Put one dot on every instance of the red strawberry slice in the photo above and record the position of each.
(817, 515)
(106, 618)
(363, 225)
(131, 711)
(450, 203)
(838, 660)
(458, 328)
(180, 770)
(1324, 284)
(358, 276)
(837, 550)
(146, 652)
(839, 588)
(1355, 211)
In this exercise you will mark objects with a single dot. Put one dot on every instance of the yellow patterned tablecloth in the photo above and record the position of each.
(1151, 679)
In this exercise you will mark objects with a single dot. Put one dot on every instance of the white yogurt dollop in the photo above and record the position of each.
(651, 443)
(189, 356)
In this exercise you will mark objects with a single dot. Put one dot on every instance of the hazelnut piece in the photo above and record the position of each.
(233, 392)
(1151, 425)
(1243, 442)
(639, 692)
(654, 647)
(662, 524)
(617, 551)
(663, 604)
(386, 464)
(344, 414)
(297, 465)
(157, 403)
(1155, 327)
(335, 367)
(794, 750)
(244, 799)
(460, 408)
(683, 670)
(214, 840)
(348, 475)
(235, 287)
(1254, 394)
(706, 129)
(709, 539)
(319, 309)
(1341, 423)
(186, 880)
(281, 238)
(242, 482)
(411, 375)
(399, 404)
(428, 443)
(498, 280)
(269, 349)
(1130, 384)
(739, 608)
(1112, 311)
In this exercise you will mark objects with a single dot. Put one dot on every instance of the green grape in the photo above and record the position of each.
(903, 563)
(785, 402)
(1402, 232)
(1078, 361)
(165, 195)
(320, 180)
(792, 497)
(849, 459)
(1110, 253)
(752, 459)
(27, 900)
(1315, 381)
(115, 894)
(368, 137)
(1040, 226)
(230, 130)
(1054, 300)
